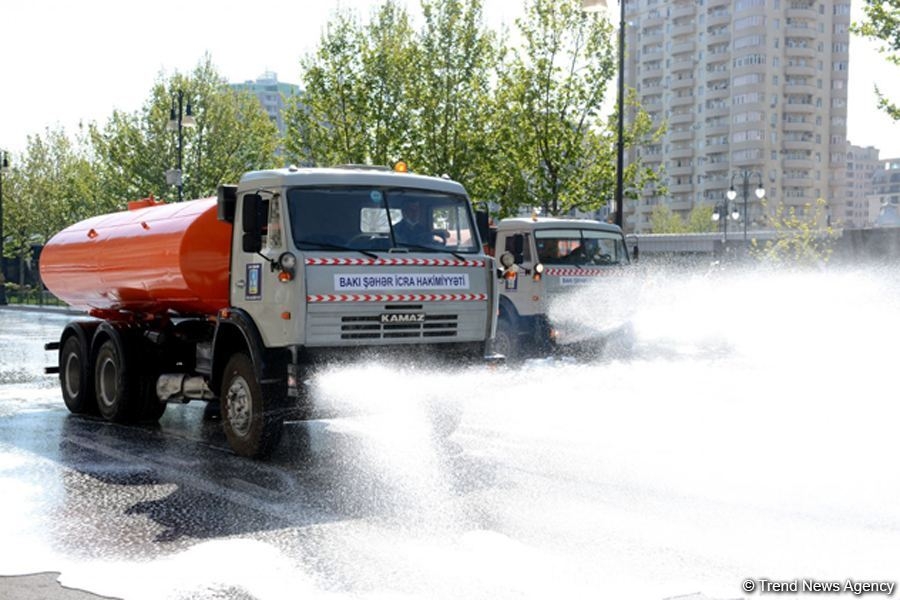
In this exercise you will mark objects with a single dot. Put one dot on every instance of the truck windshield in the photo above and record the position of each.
(580, 247)
(369, 218)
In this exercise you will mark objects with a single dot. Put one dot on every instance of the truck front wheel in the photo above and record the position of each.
(506, 340)
(252, 423)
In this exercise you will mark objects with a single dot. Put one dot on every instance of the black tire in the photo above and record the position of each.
(76, 378)
(112, 385)
(252, 421)
(506, 341)
(152, 409)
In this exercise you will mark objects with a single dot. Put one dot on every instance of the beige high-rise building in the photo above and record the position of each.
(753, 89)
(862, 165)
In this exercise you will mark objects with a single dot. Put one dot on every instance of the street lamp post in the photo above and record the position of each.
(620, 125)
(592, 6)
(177, 122)
(721, 213)
(4, 168)
(745, 192)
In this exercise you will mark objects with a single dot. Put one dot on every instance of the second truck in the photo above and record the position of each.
(554, 259)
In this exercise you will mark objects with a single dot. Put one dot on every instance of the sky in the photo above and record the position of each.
(65, 62)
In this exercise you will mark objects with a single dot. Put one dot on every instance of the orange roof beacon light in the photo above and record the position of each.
(401, 167)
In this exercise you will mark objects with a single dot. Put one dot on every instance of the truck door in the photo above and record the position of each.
(522, 289)
(255, 288)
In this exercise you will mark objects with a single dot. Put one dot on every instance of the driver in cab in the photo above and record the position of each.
(413, 228)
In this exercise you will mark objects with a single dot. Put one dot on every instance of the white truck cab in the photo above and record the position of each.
(552, 257)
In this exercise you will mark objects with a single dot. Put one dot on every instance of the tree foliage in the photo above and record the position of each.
(61, 179)
(562, 154)
(699, 220)
(522, 130)
(233, 134)
(801, 237)
(52, 185)
(882, 22)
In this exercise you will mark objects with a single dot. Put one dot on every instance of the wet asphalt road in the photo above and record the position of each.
(710, 457)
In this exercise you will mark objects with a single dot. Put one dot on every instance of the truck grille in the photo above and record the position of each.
(372, 327)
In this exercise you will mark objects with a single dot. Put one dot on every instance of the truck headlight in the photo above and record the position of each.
(287, 262)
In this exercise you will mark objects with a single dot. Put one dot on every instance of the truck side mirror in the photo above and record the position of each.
(252, 220)
(635, 252)
(519, 248)
(483, 224)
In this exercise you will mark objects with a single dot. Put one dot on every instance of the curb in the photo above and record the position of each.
(44, 308)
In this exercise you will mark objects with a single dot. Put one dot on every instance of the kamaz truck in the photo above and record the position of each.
(234, 298)
(547, 260)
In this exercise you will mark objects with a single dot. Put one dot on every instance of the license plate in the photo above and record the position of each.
(390, 318)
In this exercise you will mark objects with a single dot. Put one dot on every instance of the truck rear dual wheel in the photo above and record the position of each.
(113, 384)
(252, 421)
(123, 394)
(76, 378)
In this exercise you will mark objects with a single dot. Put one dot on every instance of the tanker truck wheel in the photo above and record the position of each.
(113, 384)
(75, 377)
(252, 422)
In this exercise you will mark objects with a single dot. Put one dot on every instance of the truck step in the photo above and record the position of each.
(51, 346)
(51, 370)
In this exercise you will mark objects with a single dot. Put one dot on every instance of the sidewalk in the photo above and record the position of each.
(40, 586)
(47, 308)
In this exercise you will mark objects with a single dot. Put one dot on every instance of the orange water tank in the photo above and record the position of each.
(153, 258)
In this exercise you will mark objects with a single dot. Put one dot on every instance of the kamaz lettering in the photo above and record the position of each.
(403, 318)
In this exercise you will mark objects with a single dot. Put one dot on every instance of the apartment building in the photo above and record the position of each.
(862, 165)
(753, 89)
(884, 202)
(271, 94)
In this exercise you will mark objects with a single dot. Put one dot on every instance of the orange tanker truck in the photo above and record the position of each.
(233, 299)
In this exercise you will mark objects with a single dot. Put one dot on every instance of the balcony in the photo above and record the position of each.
(681, 152)
(684, 48)
(681, 11)
(793, 108)
(808, 13)
(686, 135)
(686, 100)
(808, 52)
(681, 118)
(679, 171)
(801, 70)
(681, 30)
(797, 163)
(801, 145)
(681, 83)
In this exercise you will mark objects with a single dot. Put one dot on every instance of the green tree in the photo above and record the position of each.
(233, 134)
(451, 92)
(326, 124)
(664, 220)
(801, 238)
(882, 22)
(54, 185)
(355, 106)
(561, 152)
(700, 219)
